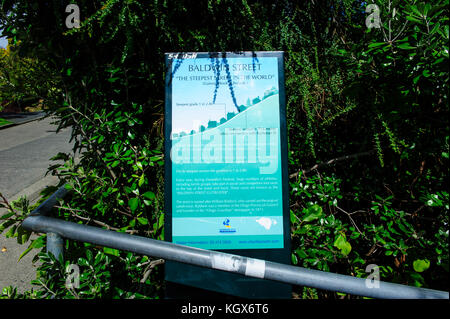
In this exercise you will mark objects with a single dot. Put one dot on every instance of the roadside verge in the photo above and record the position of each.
(21, 118)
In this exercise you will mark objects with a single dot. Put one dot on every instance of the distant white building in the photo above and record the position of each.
(269, 92)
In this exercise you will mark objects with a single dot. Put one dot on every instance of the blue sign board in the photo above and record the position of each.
(226, 174)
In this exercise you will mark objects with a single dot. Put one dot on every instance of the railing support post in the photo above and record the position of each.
(55, 244)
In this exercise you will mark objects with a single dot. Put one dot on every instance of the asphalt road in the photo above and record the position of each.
(25, 152)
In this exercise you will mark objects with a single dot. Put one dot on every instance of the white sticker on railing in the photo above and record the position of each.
(224, 262)
(255, 268)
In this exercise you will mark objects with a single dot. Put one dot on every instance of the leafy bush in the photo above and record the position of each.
(24, 81)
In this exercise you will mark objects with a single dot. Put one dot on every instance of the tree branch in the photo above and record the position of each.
(150, 267)
(89, 219)
(332, 161)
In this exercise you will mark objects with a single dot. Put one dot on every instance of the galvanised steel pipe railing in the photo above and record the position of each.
(221, 261)
(54, 241)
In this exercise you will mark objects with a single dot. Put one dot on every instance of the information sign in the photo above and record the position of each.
(226, 174)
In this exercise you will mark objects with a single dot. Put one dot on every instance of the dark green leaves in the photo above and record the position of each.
(149, 195)
(133, 203)
(377, 44)
(35, 244)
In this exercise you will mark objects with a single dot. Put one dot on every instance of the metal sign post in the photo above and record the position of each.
(226, 166)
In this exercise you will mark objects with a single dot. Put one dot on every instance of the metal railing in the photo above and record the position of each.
(57, 229)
